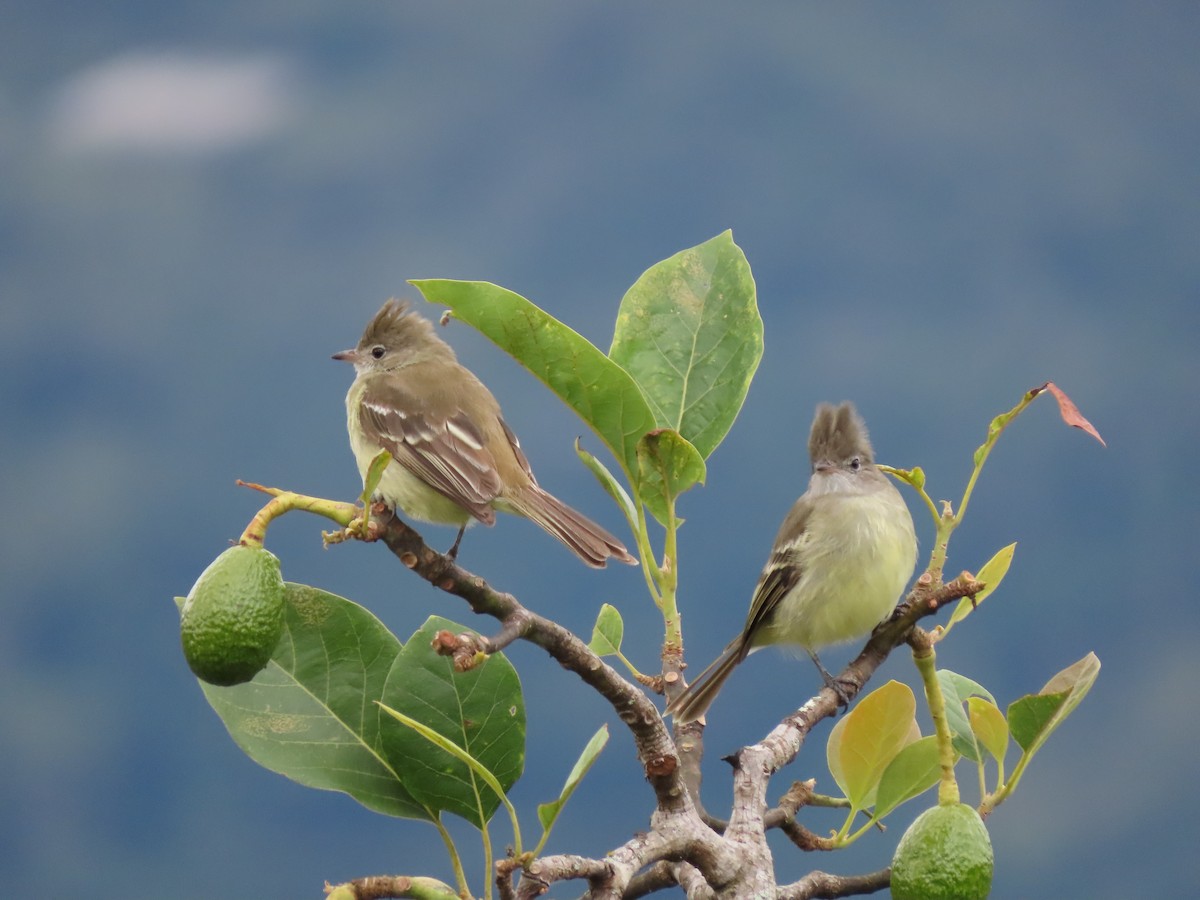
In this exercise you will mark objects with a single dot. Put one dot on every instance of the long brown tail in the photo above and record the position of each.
(587, 540)
(698, 696)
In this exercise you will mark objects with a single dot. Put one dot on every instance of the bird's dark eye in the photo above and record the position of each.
(856, 464)
(377, 351)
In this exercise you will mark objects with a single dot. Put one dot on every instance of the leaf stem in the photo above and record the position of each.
(668, 579)
(460, 876)
(646, 554)
(485, 836)
(991, 801)
(995, 429)
(916, 480)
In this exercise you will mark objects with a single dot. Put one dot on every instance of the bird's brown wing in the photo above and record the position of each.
(782, 572)
(780, 575)
(442, 448)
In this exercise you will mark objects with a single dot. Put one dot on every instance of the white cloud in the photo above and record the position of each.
(173, 103)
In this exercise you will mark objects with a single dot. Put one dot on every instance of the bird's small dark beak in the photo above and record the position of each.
(346, 356)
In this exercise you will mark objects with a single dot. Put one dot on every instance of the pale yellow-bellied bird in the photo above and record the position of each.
(841, 559)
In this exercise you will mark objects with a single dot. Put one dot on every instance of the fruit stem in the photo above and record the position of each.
(925, 659)
(285, 501)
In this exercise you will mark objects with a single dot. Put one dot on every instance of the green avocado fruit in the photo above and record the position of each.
(233, 616)
(945, 854)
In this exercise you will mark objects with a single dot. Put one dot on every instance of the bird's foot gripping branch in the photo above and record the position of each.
(315, 687)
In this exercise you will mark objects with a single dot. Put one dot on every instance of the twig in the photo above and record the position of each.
(826, 886)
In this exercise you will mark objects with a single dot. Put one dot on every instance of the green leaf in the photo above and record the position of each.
(955, 690)
(667, 466)
(962, 687)
(988, 726)
(991, 575)
(308, 714)
(914, 476)
(994, 570)
(914, 770)
(690, 334)
(603, 394)
(477, 768)
(868, 738)
(610, 484)
(548, 812)
(481, 711)
(1028, 717)
(375, 474)
(608, 632)
(1033, 718)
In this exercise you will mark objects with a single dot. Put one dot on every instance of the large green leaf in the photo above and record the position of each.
(481, 711)
(308, 715)
(598, 389)
(690, 334)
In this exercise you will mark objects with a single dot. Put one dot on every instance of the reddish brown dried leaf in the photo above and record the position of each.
(1070, 412)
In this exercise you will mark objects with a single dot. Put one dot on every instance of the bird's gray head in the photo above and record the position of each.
(839, 441)
(395, 337)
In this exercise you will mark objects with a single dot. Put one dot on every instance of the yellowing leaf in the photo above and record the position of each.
(868, 738)
(989, 726)
(991, 575)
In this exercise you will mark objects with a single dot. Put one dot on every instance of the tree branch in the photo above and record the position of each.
(655, 749)
(682, 846)
(826, 886)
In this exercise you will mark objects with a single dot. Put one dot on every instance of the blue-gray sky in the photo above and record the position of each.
(943, 206)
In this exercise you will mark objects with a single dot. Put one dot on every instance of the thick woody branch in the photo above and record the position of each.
(541, 873)
(659, 852)
(654, 746)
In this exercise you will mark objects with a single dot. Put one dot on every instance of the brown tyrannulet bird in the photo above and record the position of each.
(455, 460)
(841, 559)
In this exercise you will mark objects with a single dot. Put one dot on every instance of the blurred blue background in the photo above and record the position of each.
(943, 205)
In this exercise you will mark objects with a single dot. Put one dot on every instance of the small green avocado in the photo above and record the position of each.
(233, 616)
(945, 854)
